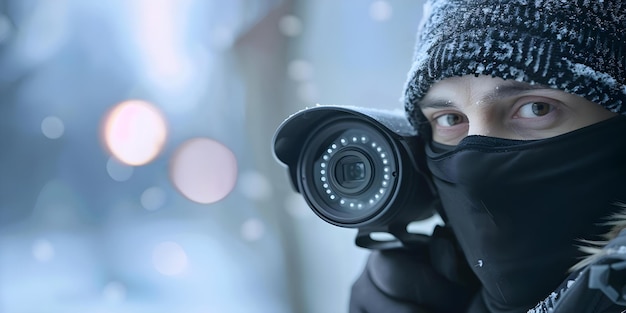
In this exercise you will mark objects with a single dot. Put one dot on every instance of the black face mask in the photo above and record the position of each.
(519, 208)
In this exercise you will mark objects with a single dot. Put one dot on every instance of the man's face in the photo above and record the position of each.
(460, 106)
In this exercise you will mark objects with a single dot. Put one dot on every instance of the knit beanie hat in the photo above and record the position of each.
(578, 46)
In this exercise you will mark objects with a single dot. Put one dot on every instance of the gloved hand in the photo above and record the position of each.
(430, 278)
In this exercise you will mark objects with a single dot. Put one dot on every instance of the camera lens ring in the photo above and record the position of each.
(348, 137)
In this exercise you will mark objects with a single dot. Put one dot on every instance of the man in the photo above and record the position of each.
(522, 107)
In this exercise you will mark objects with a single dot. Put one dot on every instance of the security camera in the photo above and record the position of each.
(359, 168)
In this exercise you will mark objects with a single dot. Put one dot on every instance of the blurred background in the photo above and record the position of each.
(136, 166)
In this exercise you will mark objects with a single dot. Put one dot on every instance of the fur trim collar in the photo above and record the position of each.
(596, 250)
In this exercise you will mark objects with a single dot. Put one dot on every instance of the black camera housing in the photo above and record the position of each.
(357, 168)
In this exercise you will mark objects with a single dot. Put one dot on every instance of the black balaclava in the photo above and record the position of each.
(520, 208)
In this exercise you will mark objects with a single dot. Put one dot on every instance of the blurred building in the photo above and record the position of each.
(136, 167)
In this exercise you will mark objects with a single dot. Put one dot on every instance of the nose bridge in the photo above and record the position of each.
(476, 129)
(480, 123)
(477, 110)
(476, 100)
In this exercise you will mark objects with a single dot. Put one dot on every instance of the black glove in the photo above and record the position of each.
(430, 278)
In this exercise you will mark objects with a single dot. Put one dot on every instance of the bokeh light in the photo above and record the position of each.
(169, 258)
(43, 250)
(52, 127)
(119, 171)
(114, 292)
(153, 198)
(203, 170)
(380, 10)
(253, 229)
(135, 132)
(290, 25)
(300, 70)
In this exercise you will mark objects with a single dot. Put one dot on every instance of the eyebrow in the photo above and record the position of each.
(505, 90)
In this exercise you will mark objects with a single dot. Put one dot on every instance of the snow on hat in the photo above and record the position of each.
(578, 46)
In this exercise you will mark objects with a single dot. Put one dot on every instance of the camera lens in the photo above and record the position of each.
(352, 171)
(348, 171)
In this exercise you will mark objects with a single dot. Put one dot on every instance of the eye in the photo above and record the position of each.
(448, 120)
(534, 109)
